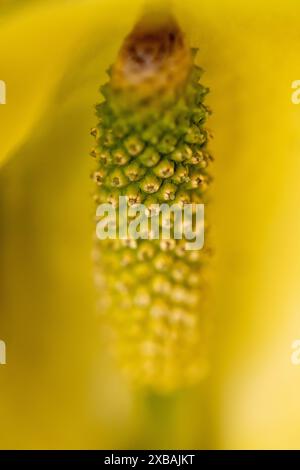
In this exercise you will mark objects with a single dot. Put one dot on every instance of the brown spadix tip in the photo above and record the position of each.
(154, 56)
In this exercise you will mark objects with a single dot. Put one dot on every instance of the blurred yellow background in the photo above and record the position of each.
(59, 388)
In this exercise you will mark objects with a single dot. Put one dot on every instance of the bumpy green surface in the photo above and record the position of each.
(153, 291)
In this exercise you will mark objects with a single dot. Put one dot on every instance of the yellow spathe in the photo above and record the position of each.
(58, 389)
